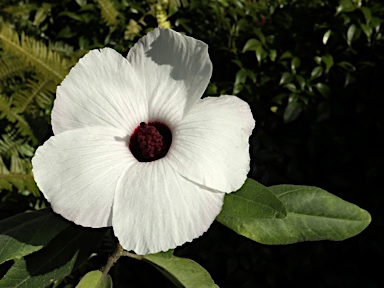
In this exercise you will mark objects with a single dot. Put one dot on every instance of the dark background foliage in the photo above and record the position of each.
(312, 72)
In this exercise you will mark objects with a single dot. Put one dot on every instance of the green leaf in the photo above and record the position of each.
(367, 30)
(347, 66)
(295, 63)
(272, 54)
(300, 79)
(313, 214)
(260, 35)
(241, 76)
(251, 45)
(285, 55)
(345, 6)
(351, 33)
(95, 279)
(292, 111)
(26, 233)
(316, 72)
(326, 36)
(367, 14)
(252, 202)
(291, 87)
(81, 2)
(181, 271)
(64, 253)
(255, 45)
(285, 78)
(323, 89)
(261, 54)
(328, 61)
(167, 254)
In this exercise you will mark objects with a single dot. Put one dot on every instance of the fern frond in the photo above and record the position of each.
(108, 12)
(5, 184)
(38, 90)
(11, 66)
(10, 145)
(132, 30)
(20, 10)
(63, 49)
(34, 52)
(6, 111)
(178, 3)
(161, 16)
(42, 13)
(19, 175)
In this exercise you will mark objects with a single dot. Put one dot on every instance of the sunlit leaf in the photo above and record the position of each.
(326, 36)
(272, 54)
(291, 87)
(285, 78)
(95, 279)
(251, 202)
(313, 214)
(182, 272)
(316, 72)
(345, 6)
(251, 45)
(295, 63)
(351, 33)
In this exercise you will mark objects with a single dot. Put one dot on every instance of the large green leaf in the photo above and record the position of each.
(252, 202)
(25, 233)
(181, 271)
(313, 214)
(95, 279)
(65, 252)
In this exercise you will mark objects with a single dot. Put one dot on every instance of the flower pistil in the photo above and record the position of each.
(150, 141)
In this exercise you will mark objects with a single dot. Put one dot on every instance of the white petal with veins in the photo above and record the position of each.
(174, 71)
(210, 145)
(78, 171)
(101, 90)
(155, 209)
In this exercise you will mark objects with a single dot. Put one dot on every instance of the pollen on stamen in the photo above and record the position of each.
(150, 142)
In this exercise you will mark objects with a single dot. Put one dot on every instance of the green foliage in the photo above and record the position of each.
(26, 233)
(95, 279)
(108, 12)
(252, 201)
(182, 272)
(58, 245)
(30, 73)
(39, 56)
(312, 214)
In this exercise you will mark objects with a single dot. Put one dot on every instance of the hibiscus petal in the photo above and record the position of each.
(210, 146)
(100, 90)
(155, 209)
(174, 69)
(78, 170)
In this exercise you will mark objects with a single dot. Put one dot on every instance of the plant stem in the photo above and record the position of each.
(116, 255)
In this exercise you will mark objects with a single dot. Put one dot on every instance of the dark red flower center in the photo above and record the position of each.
(150, 142)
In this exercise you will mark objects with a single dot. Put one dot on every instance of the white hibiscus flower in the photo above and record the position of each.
(136, 148)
